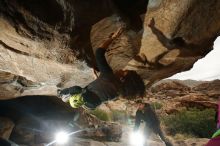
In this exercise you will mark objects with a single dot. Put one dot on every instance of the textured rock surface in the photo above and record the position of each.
(171, 89)
(193, 142)
(209, 88)
(177, 20)
(154, 142)
(45, 48)
(89, 142)
(178, 94)
(27, 69)
(6, 126)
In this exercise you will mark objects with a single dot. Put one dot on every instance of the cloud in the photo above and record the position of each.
(207, 68)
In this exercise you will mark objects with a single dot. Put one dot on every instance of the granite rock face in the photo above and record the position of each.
(45, 44)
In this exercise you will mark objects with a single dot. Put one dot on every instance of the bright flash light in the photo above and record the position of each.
(137, 139)
(62, 137)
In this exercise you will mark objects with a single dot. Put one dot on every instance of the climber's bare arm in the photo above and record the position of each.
(111, 38)
(101, 62)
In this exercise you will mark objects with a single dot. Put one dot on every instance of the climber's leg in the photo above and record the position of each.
(102, 64)
(163, 138)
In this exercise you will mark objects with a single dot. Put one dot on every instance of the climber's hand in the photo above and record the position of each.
(117, 33)
(63, 95)
(111, 38)
(65, 99)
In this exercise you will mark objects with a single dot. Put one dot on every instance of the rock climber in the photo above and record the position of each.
(107, 86)
(152, 124)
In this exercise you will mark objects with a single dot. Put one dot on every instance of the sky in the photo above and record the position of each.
(206, 69)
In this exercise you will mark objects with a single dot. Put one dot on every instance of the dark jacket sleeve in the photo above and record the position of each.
(137, 120)
(102, 64)
(71, 90)
(91, 99)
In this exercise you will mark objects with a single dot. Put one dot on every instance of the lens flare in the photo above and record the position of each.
(62, 137)
(137, 139)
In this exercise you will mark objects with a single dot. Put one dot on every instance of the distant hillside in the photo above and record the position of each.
(189, 83)
(178, 87)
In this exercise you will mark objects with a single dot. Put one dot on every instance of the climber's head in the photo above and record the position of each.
(141, 104)
(73, 95)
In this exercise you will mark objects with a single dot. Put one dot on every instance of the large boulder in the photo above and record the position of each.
(173, 45)
(43, 44)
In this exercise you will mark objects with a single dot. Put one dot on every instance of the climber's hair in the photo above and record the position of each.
(133, 85)
(139, 101)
